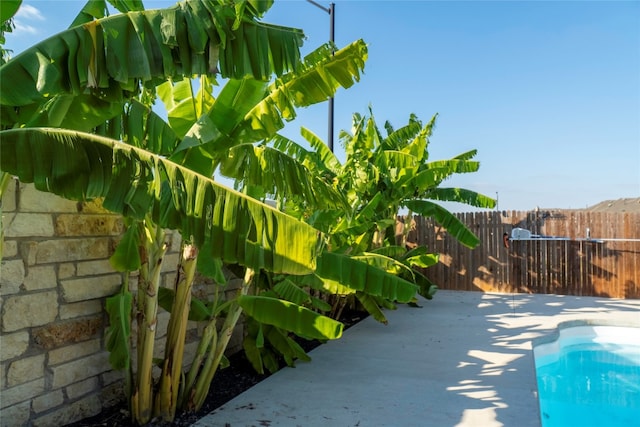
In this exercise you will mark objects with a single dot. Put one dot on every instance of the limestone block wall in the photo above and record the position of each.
(54, 279)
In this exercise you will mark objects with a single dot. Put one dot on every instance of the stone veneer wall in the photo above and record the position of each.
(54, 279)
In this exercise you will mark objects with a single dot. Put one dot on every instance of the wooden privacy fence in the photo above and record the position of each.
(607, 264)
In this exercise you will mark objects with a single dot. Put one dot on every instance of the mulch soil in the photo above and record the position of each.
(227, 384)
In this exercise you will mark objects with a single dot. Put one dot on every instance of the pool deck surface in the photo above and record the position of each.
(462, 359)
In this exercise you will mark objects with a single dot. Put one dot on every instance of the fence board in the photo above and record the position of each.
(575, 267)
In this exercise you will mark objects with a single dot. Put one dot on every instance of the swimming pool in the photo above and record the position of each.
(589, 376)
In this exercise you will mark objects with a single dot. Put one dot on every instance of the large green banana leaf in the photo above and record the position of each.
(276, 172)
(8, 9)
(96, 9)
(222, 223)
(309, 159)
(289, 291)
(117, 335)
(264, 343)
(183, 107)
(290, 316)
(419, 257)
(435, 172)
(397, 138)
(126, 256)
(320, 159)
(322, 72)
(399, 161)
(248, 110)
(143, 128)
(455, 165)
(445, 218)
(81, 112)
(384, 262)
(468, 155)
(326, 155)
(360, 276)
(214, 132)
(462, 195)
(373, 306)
(110, 56)
(137, 125)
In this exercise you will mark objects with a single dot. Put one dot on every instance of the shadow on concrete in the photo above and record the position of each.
(491, 379)
(462, 359)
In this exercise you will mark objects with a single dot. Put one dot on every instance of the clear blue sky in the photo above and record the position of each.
(547, 91)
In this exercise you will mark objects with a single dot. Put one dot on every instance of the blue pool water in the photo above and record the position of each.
(590, 376)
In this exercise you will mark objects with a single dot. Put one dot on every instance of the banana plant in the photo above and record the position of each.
(222, 34)
(252, 166)
(380, 176)
(184, 107)
(231, 143)
(102, 94)
(222, 223)
(84, 76)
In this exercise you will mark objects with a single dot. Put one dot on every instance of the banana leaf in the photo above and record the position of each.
(223, 223)
(117, 334)
(445, 218)
(111, 56)
(360, 276)
(248, 110)
(461, 195)
(290, 316)
(276, 172)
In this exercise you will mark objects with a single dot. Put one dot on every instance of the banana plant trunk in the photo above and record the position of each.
(152, 254)
(196, 394)
(208, 340)
(167, 396)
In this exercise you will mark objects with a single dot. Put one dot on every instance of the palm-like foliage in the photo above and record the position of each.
(248, 110)
(104, 61)
(233, 105)
(381, 175)
(91, 78)
(9, 9)
(100, 76)
(261, 170)
(223, 223)
(83, 76)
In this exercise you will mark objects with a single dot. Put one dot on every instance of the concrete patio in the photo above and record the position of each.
(462, 359)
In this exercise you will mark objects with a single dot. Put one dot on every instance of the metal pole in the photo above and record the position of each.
(331, 10)
(332, 17)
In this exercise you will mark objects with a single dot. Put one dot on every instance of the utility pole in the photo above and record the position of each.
(331, 10)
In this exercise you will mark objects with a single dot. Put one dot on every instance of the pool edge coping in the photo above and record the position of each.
(555, 334)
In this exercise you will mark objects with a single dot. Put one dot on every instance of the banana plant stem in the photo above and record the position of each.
(147, 322)
(167, 396)
(215, 354)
